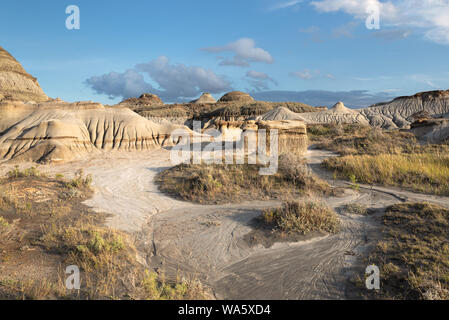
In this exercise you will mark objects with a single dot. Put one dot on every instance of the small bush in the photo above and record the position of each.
(157, 288)
(80, 180)
(17, 173)
(355, 208)
(303, 218)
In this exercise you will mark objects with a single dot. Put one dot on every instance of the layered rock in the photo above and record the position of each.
(236, 96)
(145, 100)
(60, 131)
(280, 113)
(431, 130)
(394, 114)
(16, 83)
(338, 114)
(205, 98)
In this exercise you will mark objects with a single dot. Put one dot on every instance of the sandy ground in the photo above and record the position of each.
(206, 242)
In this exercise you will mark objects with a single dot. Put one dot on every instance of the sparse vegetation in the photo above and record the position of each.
(414, 253)
(360, 140)
(228, 110)
(157, 288)
(302, 217)
(423, 172)
(218, 183)
(39, 225)
(356, 208)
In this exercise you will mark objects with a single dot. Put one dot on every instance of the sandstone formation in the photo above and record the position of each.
(204, 99)
(58, 131)
(391, 115)
(280, 113)
(338, 114)
(16, 83)
(340, 108)
(145, 100)
(394, 114)
(236, 96)
(431, 130)
(292, 135)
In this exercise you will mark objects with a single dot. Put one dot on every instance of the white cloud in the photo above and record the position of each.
(305, 74)
(429, 17)
(285, 5)
(175, 81)
(302, 74)
(245, 52)
(257, 75)
(259, 80)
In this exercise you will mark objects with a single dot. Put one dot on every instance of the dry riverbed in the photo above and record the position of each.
(210, 242)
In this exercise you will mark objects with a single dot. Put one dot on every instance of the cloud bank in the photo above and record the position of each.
(429, 17)
(176, 82)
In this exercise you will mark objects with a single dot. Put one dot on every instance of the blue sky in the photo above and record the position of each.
(317, 52)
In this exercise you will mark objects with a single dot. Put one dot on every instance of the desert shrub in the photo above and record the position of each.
(3, 223)
(17, 173)
(157, 288)
(80, 180)
(302, 217)
(355, 208)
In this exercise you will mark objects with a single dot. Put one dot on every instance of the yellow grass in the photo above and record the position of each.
(426, 172)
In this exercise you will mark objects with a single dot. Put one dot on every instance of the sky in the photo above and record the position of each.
(317, 52)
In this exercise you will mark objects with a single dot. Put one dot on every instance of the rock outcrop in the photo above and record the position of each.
(338, 114)
(390, 115)
(16, 83)
(145, 100)
(280, 113)
(205, 98)
(431, 130)
(394, 114)
(236, 96)
(59, 131)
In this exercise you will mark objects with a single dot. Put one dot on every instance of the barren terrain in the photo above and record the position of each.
(208, 241)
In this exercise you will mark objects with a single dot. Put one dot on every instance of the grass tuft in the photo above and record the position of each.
(302, 217)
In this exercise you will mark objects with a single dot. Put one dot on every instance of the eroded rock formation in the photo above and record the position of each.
(205, 98)
(59, 131)
(16, 83)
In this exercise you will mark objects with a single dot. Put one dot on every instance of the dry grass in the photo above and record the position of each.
(43, 222)
(355, 208)
(361, 140)
(414, 253)
(156, 287)
(302, 217)
(423, 172)
(220, 183)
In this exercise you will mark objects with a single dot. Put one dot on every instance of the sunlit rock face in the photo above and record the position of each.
(16, 83)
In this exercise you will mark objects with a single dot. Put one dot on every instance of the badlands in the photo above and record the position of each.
(94, 186)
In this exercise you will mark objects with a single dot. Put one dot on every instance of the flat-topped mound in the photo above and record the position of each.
(16, 83)
(236, 96)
